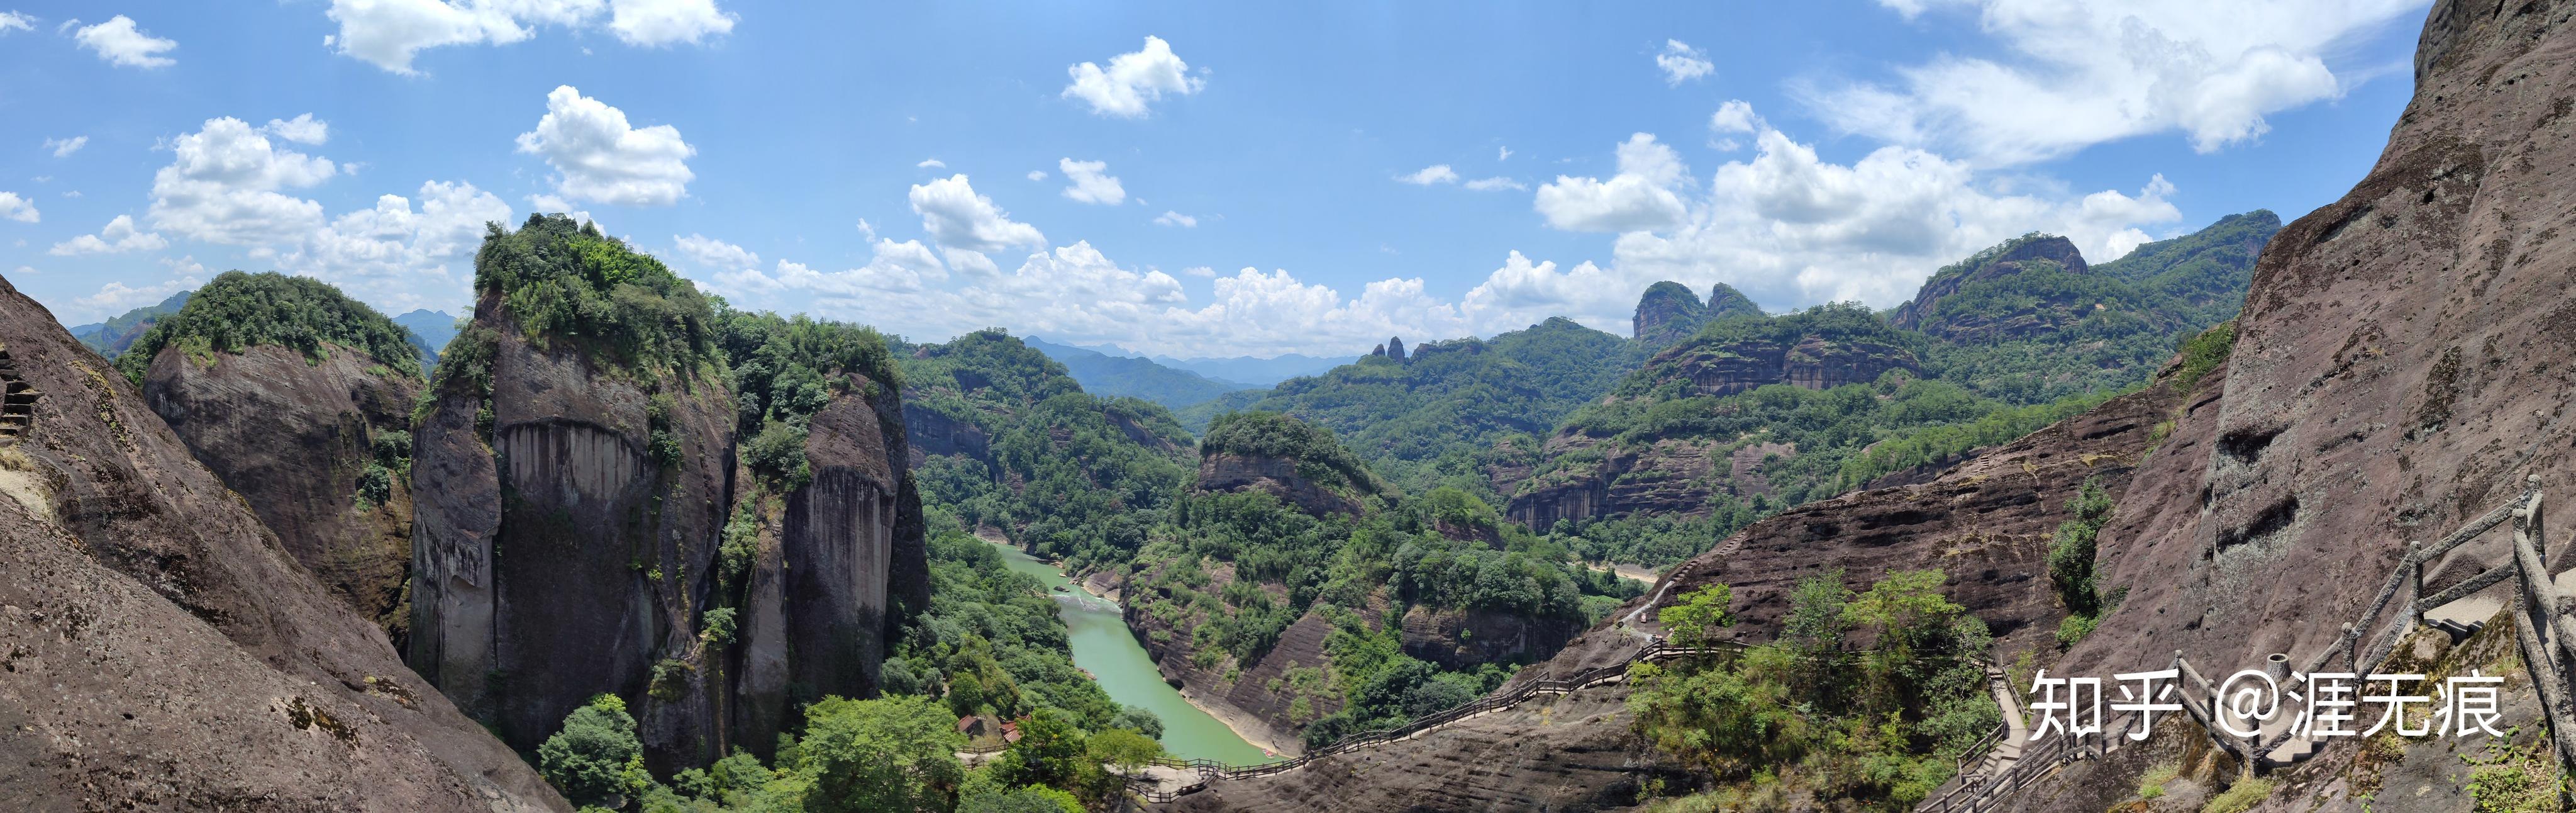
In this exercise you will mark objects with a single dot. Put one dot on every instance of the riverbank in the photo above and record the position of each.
(1250, 728)
(1105, 647)
(1638, 573)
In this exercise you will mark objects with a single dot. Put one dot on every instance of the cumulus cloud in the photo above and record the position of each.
(303, 129)
(1177, 219)
(1641, 196)
(1133, 81)
(2070, 75)
(1037, 175)
(14, 21)
(391, 33)
(64, 147)
(1092, 182)
(1502, 154)
(714, 254)
(1496, 184)
(13, 207)
(394, 254)
(1426, 176)
(1682, 63)
(117, 297)
(931, 163)
(598, 157)
(118, 237)
(223, 186)
(120, 43)
(958, 218)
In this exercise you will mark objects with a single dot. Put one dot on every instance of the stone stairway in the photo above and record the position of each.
(17, 401)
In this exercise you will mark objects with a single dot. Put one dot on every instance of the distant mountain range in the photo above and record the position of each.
(1247, 371)
(114, 335)
(430, 332)
(1108, 375)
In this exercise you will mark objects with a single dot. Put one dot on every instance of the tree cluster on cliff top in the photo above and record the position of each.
(240, 310)
(568, 282)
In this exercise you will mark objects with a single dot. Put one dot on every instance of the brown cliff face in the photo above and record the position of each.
(1665, 477)
(166, 651)
(1667, 313)
(2400, 367)
(1275, 476)
(1465, 639)
(560, 560)
(1266, 690)
(1812, 362)
(293, 437)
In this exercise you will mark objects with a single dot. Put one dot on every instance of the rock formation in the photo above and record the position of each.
(1295, 461)
(1724, 302)
(1395, 348)
(1668, 312)
(2027, 253)
(838, 561)
(568, 524)
(296, 437)
(164, 651)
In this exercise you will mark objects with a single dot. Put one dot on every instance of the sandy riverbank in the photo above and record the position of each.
(1250, 728)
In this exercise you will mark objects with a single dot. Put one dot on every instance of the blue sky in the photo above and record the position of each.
(1199, 179)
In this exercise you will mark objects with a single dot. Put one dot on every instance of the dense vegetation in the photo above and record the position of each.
(240, 310)
(786, 369)
(2106, 328)
(1815, 714)
(990, 644)
(1067, 474)
(1430, 420)
(1127, 376)
(1320, 458)
(2071, 563)
(567, 282)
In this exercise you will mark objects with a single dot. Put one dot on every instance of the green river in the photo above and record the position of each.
(1103, 646)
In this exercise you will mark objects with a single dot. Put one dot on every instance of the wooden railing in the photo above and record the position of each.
(2542, 632)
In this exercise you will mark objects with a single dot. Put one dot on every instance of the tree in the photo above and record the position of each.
(1050, 751)
(595, 757)
(1696, 620)
(890, 754)
(2070, 558)
(1126, 749)
(1140, 720)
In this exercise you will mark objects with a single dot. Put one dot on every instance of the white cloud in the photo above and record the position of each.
(118, 237)
(973, 263)
(867, 228)
(390, 33)
(1642, 196)
(714, 254)
(120, 43)
(958, 218)
(1496, 184)
(1092, 182)
(1426, 176)
(1735, 116)
(1682, 63)
(1177, 219)
(1133, 81)
(64, 147)
(931, 163)
(398, 257)
(663, 22)
(899, 269)
(598, 157)
(2072, 75)
(223, 186)
(1198, 271)
(14, 21)
(303, 129)
(1037, 175)
(117, 297)
(1502, 154)
(17, 208)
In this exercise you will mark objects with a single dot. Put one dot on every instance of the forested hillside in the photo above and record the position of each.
(1434, 418)
(1008, 440)
(1750, 415)
(1114, 376)
(110, 338)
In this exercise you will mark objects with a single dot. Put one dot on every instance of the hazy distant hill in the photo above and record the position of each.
(1107, 375)
(1257, 372)
(114, 335)
(431, 331)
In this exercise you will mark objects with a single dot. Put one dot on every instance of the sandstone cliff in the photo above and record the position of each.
(296, 438)
(1668, 312)
(2029, 253)
(2401, 365)
(573, 497)
(164, 648)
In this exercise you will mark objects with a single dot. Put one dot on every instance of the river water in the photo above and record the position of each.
(1103, 646)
